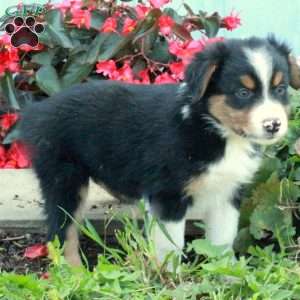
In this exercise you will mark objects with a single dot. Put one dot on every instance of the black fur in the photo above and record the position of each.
(132, 138)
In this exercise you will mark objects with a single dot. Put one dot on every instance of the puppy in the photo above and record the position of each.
(180, 146)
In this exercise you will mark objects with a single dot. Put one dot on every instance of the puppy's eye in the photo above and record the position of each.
(280, 90)
(244, 93)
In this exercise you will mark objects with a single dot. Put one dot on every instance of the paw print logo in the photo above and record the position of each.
(24, 32)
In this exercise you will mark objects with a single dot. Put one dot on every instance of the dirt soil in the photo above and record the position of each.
(12, 248)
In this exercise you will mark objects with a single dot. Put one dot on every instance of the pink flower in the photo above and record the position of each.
(164, 78)
(36, 251)
(142, 11)
(110, 25)
(81, 18)
(232, 21)
(129, 25)
(177, 69)
(165, 24)
(107, 68)
(159, 3)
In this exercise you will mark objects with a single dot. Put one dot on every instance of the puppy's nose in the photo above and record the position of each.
(271, 125)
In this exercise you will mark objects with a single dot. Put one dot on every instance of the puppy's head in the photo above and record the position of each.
(242, 85)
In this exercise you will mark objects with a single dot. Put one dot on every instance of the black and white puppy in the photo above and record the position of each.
(180, 146)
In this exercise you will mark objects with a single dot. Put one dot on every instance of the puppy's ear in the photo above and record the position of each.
(294, 72)
(200, 71)
(294, 68)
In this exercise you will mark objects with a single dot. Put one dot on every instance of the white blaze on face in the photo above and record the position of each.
(267, 108)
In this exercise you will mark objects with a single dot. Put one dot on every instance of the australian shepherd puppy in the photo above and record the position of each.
(179, 146)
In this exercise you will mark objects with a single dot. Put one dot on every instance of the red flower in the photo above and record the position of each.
(10, 164)
(8, 120)
(144, 75)
(165, 24)
(110, 25)
(28, 48)
(17, 156)
(177, 69)
(67, 4)
(2, 156)
(159, 3)
(164, 78)
(124, 74)
(232, 21)
(9, 56)
(45, 276)
(107, 68)
(129, 25)
(141, 11)
(186, 50)
(36, 251)
(5, 40)
(81, 18)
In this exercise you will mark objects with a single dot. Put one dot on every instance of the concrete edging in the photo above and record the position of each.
(21, 202)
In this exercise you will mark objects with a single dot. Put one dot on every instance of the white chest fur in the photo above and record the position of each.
(219, 183)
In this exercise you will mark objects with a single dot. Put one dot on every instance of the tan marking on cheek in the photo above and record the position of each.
(277, 79)
(248, 82)
(234, 119)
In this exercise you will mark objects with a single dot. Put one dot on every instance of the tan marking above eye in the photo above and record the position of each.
(248, 82)
(277, 78)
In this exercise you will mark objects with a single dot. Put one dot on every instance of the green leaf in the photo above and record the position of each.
(160, 51)
(43, 58)
(111, 46)
(76, 70)
(173, 14)
(97, 19)
(9, 91)
(267, 216)
(206, 248)
(95, 48)
(12, 135)
(55, 28)
(181, 32)
(211, 25)
(47, 79)
(243, 240)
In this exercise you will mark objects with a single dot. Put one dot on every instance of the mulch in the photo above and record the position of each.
(13, 245)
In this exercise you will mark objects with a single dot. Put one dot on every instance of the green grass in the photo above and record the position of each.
(132, 272)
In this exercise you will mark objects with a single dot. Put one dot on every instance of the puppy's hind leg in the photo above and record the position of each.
(64, 187)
